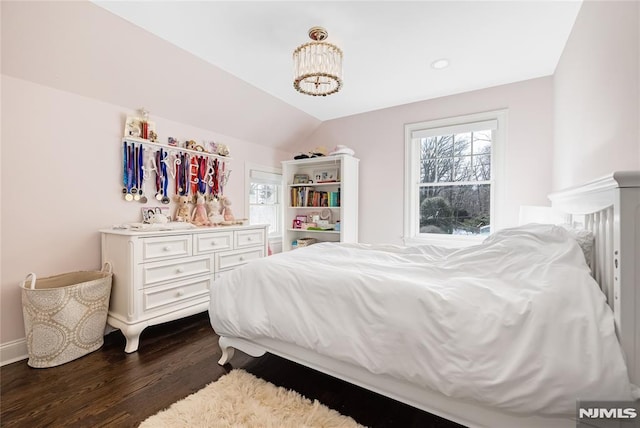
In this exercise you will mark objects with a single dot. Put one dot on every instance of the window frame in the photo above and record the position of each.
(411, 233)
(249, 167)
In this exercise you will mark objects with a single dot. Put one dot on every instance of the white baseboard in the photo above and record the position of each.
(13, 351)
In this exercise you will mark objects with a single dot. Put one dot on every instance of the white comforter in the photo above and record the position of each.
(517, 323)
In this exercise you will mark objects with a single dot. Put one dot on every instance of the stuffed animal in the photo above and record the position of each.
(158, 218)
(192, 145)
(182, 212)
(223, 150)
(213, 208)
(229, 218)
(199, 216)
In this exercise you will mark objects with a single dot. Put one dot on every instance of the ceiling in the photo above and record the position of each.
(388, 46)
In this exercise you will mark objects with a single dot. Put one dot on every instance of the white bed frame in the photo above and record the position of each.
(610, 207)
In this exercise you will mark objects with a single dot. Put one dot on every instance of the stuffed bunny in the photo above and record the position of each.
(199, 215)
(214, 215)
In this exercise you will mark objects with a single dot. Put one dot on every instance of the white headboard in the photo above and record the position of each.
(610, 207)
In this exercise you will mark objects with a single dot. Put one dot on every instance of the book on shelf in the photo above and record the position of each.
(310, 197)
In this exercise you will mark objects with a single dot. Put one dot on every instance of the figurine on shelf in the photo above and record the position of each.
(192, 145)
(182, 212)
(215, 217)
(212, 147)
(199, 216)
(223, 150)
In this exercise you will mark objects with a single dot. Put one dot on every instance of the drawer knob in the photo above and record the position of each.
(166, 248)
(248, 238)
(180, 270)
(241, 258)
(180, 293)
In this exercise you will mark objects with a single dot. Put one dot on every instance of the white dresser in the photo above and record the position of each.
(160, 276)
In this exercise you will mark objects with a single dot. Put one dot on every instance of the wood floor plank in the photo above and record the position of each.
(109, 388)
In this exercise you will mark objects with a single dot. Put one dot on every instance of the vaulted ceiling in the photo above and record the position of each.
(388, 46)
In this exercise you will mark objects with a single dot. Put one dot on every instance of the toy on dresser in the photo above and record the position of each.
(227, 213)
(158, 218)
(213, 208)
(199, 216)
(182, 212)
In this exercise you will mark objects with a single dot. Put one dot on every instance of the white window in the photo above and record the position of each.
(452, 177)
(265, 196)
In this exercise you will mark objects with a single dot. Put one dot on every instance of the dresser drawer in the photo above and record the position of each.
(171, 270)
(209, 242)
(165, 247)
(176, 294)
(249, 238)
(230, 259)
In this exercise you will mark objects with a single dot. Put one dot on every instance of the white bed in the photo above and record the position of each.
(436, 373)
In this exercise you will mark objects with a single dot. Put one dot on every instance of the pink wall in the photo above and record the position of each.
(378, 140)
(79, 47)
(597, 94)
(61, 182)
(71, 71)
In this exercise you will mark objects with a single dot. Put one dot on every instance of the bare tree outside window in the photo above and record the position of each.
(455, 183)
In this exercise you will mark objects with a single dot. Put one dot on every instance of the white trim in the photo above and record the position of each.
(498, 149)
(15, 350)
(433, 131)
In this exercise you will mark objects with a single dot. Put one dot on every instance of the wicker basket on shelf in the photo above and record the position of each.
(305, 242)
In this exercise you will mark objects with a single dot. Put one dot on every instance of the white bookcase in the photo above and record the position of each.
(331, 194)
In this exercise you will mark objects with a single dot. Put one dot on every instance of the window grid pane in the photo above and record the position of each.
(264, 205)
(454, 210)
(455, 191)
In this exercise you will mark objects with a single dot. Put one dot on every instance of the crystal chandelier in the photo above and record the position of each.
(317, 65)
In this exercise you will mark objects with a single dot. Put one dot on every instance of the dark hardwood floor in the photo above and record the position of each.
(111, 388)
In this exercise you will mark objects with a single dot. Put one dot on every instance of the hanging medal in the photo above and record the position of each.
(158, 168)
(216, 183)
(129, 196)
(165, 185)
(125, 170)
(143, 197)
(193, 177)
(202, 170)
(136, 174)
(133, 166)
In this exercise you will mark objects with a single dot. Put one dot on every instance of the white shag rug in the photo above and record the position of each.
(240, 399)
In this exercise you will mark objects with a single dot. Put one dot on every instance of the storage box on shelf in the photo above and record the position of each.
(312, 209)
(160, 276)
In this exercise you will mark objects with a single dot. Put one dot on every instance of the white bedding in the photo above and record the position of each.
(516, 323)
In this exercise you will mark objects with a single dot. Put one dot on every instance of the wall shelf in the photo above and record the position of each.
(169, 148)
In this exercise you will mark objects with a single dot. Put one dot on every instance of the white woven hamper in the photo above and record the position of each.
(65, 315)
